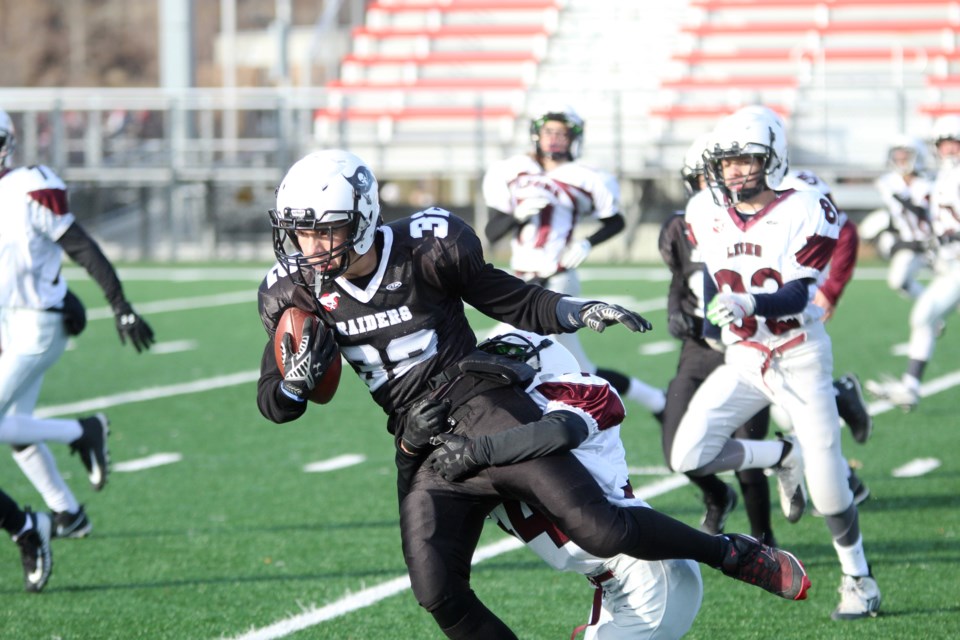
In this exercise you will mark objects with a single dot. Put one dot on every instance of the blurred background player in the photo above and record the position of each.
(905, 190)
(539, 197)
(31, 532)
(763, 249)
(939, 299)
(37, 315)
(581, 412)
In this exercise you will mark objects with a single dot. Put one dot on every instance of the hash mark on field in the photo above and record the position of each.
(916, 468)
(656, 348)
(340, 462)
(155, 460)
(173, 346)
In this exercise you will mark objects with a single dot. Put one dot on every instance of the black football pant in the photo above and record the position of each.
(440, 521)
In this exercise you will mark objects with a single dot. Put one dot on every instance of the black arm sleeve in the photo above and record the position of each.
(499, 224)
(85, 251)
(273, 403)
(557, 431)
(710, 330)
(611, 227)
(788, 300)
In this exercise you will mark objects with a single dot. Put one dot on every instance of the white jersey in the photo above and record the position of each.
(945, 212)
(573, 190)
(909, 227)
(602, 454)
(35, 214)
(792, 238)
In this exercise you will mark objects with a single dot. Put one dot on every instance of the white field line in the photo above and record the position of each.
(916, 468)
(149, 462)
(339, 462)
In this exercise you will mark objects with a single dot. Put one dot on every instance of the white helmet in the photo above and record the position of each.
(947, 128)
(693, 164)
(8, 138)
(574, 123)
(326, 190)
(750, 131)
(545, 355)
(907, 155)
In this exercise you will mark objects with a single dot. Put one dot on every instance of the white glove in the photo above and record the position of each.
(574, 255)
(727, 307)
(529, 207)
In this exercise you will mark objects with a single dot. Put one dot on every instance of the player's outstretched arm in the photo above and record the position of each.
(576, 313)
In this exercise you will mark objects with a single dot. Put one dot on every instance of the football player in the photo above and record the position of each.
(538, 198)
(31, 531)
(37, 315)
(940, 298)
(905, 190)
(393, 297)
(763, 249)
(581, 412)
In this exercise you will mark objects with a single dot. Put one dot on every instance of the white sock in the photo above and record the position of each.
(853, 561)
(24, 430)
(38, 465)
(650, 397)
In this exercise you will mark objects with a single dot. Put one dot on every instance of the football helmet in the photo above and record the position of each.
(751, 131)
(8, 138)
(907, 155)
(574, 123)
(541, 353)
(326, 191)
(693, 164)
(947, 128)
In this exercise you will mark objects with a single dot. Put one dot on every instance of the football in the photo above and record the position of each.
(292, 322)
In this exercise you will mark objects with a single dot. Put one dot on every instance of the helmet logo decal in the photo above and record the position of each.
(362, 181)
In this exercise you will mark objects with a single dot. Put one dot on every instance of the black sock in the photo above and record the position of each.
(755, 488)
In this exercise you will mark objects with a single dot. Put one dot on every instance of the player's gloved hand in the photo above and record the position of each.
(574, 255)
(529, 207)
(131, 326)
(600, 315)
(454, 459)
(303, 367)
(424, 421)
(727, 307)
(680, 325)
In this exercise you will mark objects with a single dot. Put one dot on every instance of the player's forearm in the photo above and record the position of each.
(842, 262)
(275, 405)
(84, 250)
(498, 225)
(557, 431)
(609, 227)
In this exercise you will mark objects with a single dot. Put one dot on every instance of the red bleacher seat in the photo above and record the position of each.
(465, 5)
(731, 82)
(711, 5)
(834, 27)
(713, 112)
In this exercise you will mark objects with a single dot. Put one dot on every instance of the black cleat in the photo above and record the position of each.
(35, 552)
(92, 447)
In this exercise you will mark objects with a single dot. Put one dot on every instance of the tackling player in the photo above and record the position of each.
(37, 315)
(539, 198)
(763, 250)
(392, 296)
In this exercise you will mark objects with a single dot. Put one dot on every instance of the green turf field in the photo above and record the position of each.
(236, 536)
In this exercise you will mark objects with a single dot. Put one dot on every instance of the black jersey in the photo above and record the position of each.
(406, 322)
(686, 284)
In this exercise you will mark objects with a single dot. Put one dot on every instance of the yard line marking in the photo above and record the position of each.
(916, 468)
(181, 304)
(339, 462)
(658, 348)
(139, 464)
(151, 393)
(373, 595)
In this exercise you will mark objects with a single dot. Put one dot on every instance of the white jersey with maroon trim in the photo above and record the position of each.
(945, 212)
(790, 239)
(572, 190)
(909, 226)
(34, 214)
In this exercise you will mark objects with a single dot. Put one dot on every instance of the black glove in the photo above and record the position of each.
(454, 459)
(600, 315)
(422, 422)
(680, 325)
(303, 368)
(132, 327)
(74, 314)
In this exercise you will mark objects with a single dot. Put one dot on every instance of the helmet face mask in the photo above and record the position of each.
(574, 124)
(8, 138)
(331, 194)
(947, 129)
(753, 132)
(545, 355)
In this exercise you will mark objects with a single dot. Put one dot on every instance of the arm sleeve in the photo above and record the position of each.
(499, 224)
(710, 330)
(273, 403)
(610, 227)
(842, 262)
(85, 251)
(558, 431)
(788, 300)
